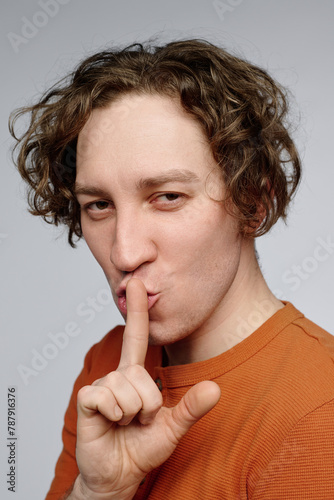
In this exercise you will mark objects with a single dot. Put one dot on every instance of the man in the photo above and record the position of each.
(170, 161)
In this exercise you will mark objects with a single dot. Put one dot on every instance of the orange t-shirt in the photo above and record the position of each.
(270, 437)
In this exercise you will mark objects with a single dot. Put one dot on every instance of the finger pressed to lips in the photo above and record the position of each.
(130, 390)
(135, 337)
(136, 296)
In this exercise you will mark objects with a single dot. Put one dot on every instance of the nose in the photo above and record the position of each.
(132, 242)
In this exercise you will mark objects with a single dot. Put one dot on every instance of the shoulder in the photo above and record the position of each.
(309, 355)
(302, 466)
(291, 377)
(322, 340)
(297, 420)
(103, 357)
(305, 349)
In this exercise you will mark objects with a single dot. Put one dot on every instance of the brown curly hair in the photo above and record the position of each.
(241, 109)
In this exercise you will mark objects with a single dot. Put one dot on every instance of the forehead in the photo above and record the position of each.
(142, 135)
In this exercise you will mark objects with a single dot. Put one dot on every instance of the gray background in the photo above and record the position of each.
(46, 285)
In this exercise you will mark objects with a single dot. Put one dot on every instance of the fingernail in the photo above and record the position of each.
(118, 412)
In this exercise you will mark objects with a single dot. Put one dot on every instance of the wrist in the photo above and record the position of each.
(80, 491)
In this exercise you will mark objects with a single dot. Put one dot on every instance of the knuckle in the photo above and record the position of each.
(83, 391)
(113, 378)
(156, 403)
(135, 372)
(136, 405)
(83, 394)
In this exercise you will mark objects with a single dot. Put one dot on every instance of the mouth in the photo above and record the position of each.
(121, 301)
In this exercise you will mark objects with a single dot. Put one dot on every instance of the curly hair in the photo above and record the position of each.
(241, 109)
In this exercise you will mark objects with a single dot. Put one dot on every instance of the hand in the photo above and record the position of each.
(123, 430)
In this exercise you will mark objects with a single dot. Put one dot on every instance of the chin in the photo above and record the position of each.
(155, 341)
(157, 336)
(165, 334)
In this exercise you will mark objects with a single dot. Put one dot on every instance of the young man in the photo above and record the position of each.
(169, 161)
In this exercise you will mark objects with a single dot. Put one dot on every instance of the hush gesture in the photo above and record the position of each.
(123, 431)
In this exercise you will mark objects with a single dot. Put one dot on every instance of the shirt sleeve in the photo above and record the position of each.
(102, 358)
(66, 468)
(303, 466)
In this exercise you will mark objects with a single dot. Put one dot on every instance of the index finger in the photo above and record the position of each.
(135, 337)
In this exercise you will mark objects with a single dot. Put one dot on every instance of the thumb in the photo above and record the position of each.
(198, 401)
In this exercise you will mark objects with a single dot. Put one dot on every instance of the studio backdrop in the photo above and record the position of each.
(55, 301)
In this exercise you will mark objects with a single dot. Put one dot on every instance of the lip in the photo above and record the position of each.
(121, 302)
(121, 290)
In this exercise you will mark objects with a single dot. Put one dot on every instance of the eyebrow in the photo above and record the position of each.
(174, 175)
(91, 191)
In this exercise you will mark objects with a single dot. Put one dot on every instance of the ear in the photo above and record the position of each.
(264, 207)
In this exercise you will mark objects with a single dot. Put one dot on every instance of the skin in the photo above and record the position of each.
(115, 451)
(187, 249)
(154, 217)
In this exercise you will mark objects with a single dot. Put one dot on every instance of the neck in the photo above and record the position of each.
(246, 306)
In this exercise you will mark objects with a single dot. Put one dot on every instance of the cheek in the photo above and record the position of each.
(97, 243)
(204, 240)
(207, 262)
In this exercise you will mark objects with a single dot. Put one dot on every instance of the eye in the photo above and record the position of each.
(169, 201)
(99, 209)
(98, 205)
(170, 196)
